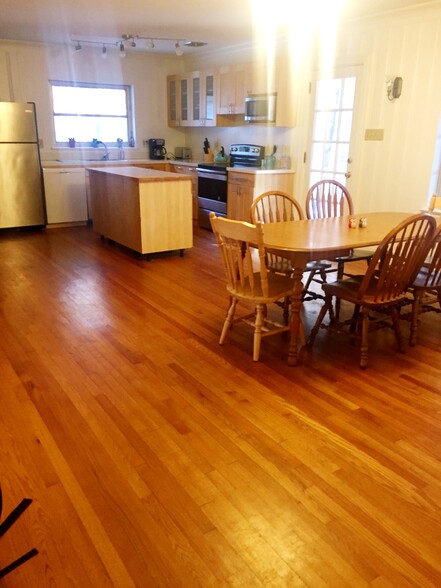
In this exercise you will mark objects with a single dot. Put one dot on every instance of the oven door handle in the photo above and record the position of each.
(211, 175)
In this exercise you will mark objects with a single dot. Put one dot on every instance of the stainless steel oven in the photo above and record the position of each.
(213, 180)
(212, 192)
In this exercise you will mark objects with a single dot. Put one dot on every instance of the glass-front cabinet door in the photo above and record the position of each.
(172, 101)
(203, 99)
(184, 101)
(191, 99)
(209, 104)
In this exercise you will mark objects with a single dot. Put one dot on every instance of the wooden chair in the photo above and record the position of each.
(248, 278)
(329, 198)
(326, 199)
(426, 287)
(383, 287)
(277, 206)
(435, 204)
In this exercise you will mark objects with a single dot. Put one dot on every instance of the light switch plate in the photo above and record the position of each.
(373, 134)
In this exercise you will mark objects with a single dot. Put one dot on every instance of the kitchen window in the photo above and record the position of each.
(86, 111)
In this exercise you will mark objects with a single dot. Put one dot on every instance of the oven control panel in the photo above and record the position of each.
(242, 155)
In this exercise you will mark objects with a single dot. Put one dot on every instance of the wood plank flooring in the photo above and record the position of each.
(156, 458)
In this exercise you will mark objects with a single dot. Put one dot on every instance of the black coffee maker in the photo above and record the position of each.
(157, 149)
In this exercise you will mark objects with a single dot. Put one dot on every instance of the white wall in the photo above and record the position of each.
(25, 71)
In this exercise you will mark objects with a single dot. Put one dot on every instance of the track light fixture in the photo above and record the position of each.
(130, 41)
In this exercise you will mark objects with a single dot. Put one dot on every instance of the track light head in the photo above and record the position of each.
(122, 51)
(178, 50)
(149, 44)
(78, 46)
(104, 52)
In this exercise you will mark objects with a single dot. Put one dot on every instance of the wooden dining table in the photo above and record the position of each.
(302, 241)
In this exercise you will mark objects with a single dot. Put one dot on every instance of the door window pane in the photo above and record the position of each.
(332, 128)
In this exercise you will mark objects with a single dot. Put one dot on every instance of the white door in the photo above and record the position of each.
(334, 132)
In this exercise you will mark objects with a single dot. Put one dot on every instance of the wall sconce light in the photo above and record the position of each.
(393, 88)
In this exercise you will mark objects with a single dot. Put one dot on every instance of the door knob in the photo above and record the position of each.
(348, 174)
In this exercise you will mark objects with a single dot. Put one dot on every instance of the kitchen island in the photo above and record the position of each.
(143, 209)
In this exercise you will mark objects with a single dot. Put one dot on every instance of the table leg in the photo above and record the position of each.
(296, 306)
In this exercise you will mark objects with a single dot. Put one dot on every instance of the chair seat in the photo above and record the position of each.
(319, 264)
(279, 286)
(348, 289)
(355, 254)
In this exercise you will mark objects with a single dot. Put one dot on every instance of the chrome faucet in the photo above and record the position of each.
(105, 157)
(95, 143)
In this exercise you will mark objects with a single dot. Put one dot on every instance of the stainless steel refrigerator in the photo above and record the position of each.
(21, 181)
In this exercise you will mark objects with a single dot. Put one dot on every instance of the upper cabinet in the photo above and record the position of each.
(269, 77)
(178, 100)
(191, 99)
(233, 86)
(217, 97)
(203, 99)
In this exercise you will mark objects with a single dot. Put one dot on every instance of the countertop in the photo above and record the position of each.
(133, 162)
(141, 174)
(97, 163)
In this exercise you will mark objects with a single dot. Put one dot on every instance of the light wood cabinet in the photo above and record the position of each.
(203, 99)
(178, 100)
(217, 97)
(146, 210)
(233, 86)
(244, 187)
(191, 99)
(189, 170)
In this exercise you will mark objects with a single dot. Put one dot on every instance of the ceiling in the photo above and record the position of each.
(220, 24)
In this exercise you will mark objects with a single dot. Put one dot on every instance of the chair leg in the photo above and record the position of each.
(364, 338)
(324, 309)
(308, 281)
(414, 319)
(340, 269)
(286, 305)
(354, 318)
(397, 329)
(228, 320)
(260, 310)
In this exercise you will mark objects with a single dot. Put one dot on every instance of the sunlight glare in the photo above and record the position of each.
(301, 24)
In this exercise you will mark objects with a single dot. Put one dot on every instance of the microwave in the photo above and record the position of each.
(261, 108)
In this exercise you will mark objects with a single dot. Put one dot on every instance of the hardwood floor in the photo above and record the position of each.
(156, 458)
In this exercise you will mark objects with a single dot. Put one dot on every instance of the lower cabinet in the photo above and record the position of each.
(189, 170)
(142, 210)
(65, 194)
(244, 187)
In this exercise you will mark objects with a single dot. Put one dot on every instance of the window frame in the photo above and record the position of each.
(128, 89)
